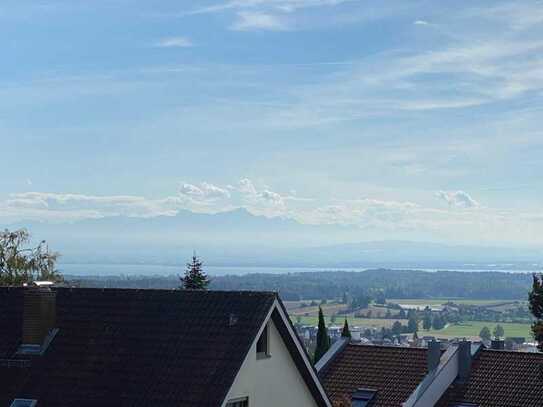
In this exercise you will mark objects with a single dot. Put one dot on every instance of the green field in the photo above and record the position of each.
(472, 329)
(439, 301)
(361, 322)
(467, 329)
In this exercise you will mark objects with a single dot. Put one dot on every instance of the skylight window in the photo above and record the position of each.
(24, 403)
(363, 397)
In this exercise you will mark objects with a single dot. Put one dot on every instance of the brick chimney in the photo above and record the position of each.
(464, 360)
(433, 356)
(39, 316)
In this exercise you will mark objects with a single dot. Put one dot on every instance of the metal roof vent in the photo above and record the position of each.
(497, 344)
(363, 397)
(24, 403)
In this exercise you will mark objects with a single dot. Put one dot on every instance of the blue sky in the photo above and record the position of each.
(411, 119)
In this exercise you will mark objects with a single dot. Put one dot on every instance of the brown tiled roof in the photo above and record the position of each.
(133, 347)
(500, 379)
(393, 371)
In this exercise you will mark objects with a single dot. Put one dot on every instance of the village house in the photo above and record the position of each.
(113, 347)
(464, 375)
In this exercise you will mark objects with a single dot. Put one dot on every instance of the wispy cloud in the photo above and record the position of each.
(272, 15)
(420, 22)
(250, 21)
(517, 15)
(174, 42)
(287, 6)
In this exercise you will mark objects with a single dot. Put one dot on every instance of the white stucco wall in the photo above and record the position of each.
(273, 381)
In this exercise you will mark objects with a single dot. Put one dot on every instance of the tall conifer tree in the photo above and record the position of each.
(536, 307)
(323, 340)
(346, 332)
(195, 278)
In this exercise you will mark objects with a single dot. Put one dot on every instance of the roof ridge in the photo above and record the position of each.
(128, 289)
(511, 351)
(372, 346)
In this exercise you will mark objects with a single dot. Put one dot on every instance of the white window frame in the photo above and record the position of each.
(238, 402)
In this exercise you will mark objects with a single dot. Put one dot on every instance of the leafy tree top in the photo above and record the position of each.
(21, 263)
(536, 296)
(499, 332)
(195, 278)
(485, 334)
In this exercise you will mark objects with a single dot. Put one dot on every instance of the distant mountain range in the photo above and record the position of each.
(238, 238)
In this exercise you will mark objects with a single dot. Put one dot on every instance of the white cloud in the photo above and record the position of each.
(203, 192)
(366, 213)
(261, 201)
(420, 22)
(250, 21)
(458, 199)
(374, 218)
(203, 197)
(43, 205)
(174, 42)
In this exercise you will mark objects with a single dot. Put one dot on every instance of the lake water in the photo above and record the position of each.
(166, 270)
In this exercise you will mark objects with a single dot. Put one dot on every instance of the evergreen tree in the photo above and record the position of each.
(485, 334)
(437, 323)
(413, 323)
(536, 307)
(323, 340)
(397, 328)
(195, 278)
(380, 298)
(346, 332)
(427, 319)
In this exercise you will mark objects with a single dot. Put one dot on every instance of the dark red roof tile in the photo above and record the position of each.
(393, 371)
(500, 379)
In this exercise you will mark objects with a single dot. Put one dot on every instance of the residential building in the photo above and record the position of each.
(464, 375)
(113, 347)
